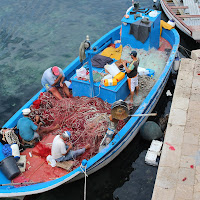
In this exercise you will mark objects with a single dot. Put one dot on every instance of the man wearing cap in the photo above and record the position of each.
(53, 78)
(28, 130)
(132, 73)
(62, 149)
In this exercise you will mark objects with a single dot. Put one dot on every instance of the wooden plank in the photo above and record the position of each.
(177, 3)
(176, 16)
(193, 7)
(188, 16)
(178, 7)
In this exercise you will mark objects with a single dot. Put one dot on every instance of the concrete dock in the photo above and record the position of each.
(178, 176)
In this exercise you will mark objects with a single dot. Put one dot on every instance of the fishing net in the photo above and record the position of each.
(152, 59)
(86, 118)
(10, 136)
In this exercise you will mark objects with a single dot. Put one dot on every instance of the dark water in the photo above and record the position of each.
(35, 35)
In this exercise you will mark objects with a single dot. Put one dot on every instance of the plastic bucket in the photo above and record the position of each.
(15, 151)
(9, 167)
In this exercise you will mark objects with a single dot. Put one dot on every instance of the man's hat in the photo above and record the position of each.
(133, 53)
(66, 134)
(26, 111)
(55, 70)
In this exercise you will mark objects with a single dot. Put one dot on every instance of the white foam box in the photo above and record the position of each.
(156, 146)
(150, 158)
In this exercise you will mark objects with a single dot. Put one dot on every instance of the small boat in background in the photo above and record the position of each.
(185, 14)
(139, 30)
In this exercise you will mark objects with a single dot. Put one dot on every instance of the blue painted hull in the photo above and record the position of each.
(121, 140)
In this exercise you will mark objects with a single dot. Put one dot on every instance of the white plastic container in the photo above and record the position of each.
(176, 63)
(112, 69)
(142, 71)
(51, 161)
(153, 152)
(15, 151)
(156, 146)
(150, 158)
(153, 13)
(171, 22)
(109, 76)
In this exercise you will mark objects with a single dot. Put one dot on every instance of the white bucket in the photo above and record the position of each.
(112, 69)
(15, 151)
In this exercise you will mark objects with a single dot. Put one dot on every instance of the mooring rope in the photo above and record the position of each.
(186, 50)
(83, 169)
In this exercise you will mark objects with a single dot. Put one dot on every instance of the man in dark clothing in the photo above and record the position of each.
(132, 73)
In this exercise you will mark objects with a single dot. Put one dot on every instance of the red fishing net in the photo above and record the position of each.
(86, 118)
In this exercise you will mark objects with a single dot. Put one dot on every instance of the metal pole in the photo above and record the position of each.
(91, 74)
(141, 115)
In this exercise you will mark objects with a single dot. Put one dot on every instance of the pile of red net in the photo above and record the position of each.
(86, 118)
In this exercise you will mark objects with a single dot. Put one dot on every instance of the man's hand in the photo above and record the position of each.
(58, 79)
(69, 147)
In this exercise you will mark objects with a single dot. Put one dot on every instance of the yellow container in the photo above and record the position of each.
(110, 82)
(119, 76)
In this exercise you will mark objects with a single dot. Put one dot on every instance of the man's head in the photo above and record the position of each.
(133, 53)
(55, 70)
(66, 135)
(26, 111)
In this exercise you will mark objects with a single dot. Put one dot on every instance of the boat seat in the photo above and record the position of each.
(67, 165)
(193, 9)
(28, 144)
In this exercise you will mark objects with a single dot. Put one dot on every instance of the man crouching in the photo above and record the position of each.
(62, 149)
(29, 131)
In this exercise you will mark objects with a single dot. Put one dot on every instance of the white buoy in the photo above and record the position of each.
(171, 22)
(176, 62)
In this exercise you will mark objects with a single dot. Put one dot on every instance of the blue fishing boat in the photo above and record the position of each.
(140, 31)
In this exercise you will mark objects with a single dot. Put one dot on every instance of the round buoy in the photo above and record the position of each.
(151, 131)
